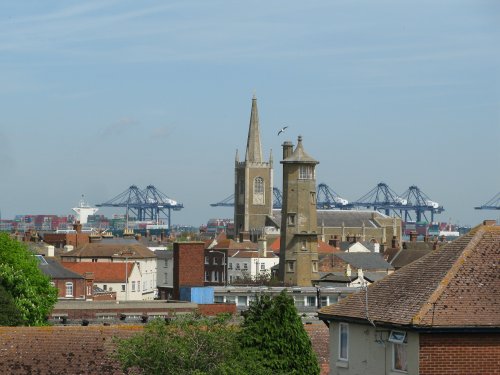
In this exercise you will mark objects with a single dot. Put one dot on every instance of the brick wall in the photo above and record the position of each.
(78, 287)
(459, 354)
(189, 265)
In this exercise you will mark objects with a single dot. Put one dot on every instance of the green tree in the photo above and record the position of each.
(30, 289)
(272, 334)
(9, 314)
(188, 345)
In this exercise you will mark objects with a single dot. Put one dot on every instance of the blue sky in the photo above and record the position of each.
(96, 96)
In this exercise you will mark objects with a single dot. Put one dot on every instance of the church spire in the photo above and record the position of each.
(254, 149)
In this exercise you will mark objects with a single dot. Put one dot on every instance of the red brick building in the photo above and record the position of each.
(189, 266)
(438, 315)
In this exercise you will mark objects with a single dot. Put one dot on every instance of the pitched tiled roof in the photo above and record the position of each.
(87, 350)
(319, 334)
(456, 286)
(103, 271)
(110, 248)
(60, 350)
(323, 247)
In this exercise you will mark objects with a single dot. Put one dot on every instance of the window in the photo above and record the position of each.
(324, 301)
(166, 278)
(207, 276)
(215, 276)
(343, 341)
(89, 290)
(258, 191)
(69, 289)
(206, 260)
(290, 266)
(133, 286)
(94, 260)
(290, 219)
(166, 263)
(397, 337)
(245, 266)
(218, 299)
(313, 197)
(214, 261)
(306, 172)
(399, 358)
(311, 301)
(242, 300)
(237, 266)
(298, 301)
(315, 266)
(262, 266)
(139, 286)
(230, 266)
(123, 287)
(105, 287)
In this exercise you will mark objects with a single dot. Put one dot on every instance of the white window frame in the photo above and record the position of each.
(70, 287)
(306, 172)
(344, 326)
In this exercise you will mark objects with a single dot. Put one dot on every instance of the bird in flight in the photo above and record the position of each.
(282, 129)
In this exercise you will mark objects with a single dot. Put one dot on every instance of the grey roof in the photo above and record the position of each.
(366, 261)
(164, 254)
(55, 270)
(406, 256)
(339, 218)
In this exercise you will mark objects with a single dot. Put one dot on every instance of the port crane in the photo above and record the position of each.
(229, 201)
(147, 204)
(492, 204)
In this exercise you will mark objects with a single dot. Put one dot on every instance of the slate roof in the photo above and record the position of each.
(456, 286)
(109, 248)
(55, 270)
(103, 271)
(349, 218)
(366, 261)
(164, 254)
(406, 256)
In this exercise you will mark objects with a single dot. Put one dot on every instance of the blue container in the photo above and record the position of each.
(203, 295)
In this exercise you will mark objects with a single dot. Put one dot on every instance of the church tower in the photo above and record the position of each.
(299, 233)
(253, 184)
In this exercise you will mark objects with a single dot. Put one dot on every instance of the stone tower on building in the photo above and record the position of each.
(253, 185)
(299, 233)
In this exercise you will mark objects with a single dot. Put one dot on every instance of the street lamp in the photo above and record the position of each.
(224, 265)
(127, 254)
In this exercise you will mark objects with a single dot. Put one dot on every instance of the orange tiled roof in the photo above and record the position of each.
(103, 271)
(323, 247)
(60, 350)
(87, 350)
(455, 286)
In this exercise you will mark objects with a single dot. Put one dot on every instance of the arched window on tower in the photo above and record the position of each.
(258, 191)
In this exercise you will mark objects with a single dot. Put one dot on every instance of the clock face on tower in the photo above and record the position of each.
(258, 199)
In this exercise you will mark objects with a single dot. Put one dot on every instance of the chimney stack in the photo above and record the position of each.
(413, 236)
(394, 243)
(287, 149)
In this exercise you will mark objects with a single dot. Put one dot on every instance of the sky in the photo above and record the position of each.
(96, 96)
